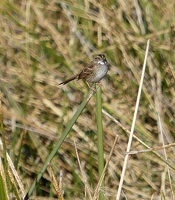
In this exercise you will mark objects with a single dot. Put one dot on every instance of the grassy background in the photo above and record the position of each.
(44, 42)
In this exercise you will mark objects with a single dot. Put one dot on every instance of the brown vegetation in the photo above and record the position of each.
(44, 42)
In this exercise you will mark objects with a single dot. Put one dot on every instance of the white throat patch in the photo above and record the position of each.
(101, 62)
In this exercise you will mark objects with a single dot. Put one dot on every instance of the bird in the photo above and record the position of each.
(93, 72)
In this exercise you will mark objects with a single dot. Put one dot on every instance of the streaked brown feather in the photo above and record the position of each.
(86, 71)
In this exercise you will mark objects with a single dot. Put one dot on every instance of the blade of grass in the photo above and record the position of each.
(58, 144)
(3, 185)
(105, 168)
(84, 177)
(100, 139)
(133, 124)
(5, 162)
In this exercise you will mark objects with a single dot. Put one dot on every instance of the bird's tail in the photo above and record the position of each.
(68, 80)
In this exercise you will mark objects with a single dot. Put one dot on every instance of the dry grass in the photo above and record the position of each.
(43, 42)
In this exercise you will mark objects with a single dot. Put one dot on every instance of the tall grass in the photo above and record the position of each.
(44, 42)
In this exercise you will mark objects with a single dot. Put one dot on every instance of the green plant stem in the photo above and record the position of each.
(5, 164)
(58, 144)
(100, 139)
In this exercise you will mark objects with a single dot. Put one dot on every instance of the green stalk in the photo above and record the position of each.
(6, 178)
(100, 139)
(58, 144)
